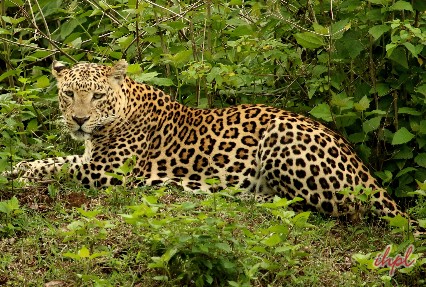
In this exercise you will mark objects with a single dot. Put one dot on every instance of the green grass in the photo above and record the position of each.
(165, 237)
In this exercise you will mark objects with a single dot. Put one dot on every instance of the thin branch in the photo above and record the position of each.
(137, 31)
(28, 46)
(307, 30)
(42, 17)
(112, 17)
(167, 9)
(159, 21)
(25, 13)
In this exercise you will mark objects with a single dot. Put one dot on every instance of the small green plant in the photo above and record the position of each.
(87, 259)
(88, 228)
(10, 219)
(360, 193)
(205, 246)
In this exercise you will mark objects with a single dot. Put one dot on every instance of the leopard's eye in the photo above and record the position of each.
(69, 94)
(97, 96)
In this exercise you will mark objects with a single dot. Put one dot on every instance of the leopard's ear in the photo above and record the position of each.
(118, 71)
(57, 68)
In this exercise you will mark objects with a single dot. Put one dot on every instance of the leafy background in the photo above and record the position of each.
(356, 65)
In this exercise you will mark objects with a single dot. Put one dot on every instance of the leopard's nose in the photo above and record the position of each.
(80, 120)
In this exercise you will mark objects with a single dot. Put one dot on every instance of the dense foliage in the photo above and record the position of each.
(356, 65)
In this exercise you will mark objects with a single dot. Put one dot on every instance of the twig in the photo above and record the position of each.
(307, 30)
(167, 9)
(137, 31)
(42, 17)
(159, 21)
(25, 13)
(112, 17)
(28, 46)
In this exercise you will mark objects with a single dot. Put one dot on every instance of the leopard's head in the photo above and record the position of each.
(90, 96)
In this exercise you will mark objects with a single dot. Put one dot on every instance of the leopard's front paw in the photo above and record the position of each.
(23, 171)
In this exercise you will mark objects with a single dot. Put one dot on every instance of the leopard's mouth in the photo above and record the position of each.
(80, 134)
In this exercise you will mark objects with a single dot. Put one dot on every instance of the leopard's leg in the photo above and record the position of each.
(90, 174)
(43, 169)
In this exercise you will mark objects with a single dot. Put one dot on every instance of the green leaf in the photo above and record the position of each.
(282, 249)
(163, 82)
(227, 264)
(88, 213)
(98, 254)
(409, 111)
(364, 259)
(404, 153)
(32, 125)
(318, 70)
(301, 219)
(223, 246)
(180, 58)
(212, 181)
(42, 82)
(169, 254)
(152, 78)
(272, 240)
(209, 279)
(68, 26)
(146, 77)
(309, 40)
(404, 171)
(422, 127)
(381, 89)
(320, 29)
(402, 136)
(371, 125)
(134, 69)
(12, 20)
(4, 31)
(9, 73)
(10, 205)
(398, 55)
(363, 104)
(414, 50)
(420, 89)
(400, 6)
(161, 278)
(397, 221)
(420, 159)
(338, 28)
(342, 101)
(83, 252)
(242, 31)
(379, 2)
(422, 185)
(378, 30)
(116, 55)
(349, 45)
(322, 111)
(72, 255)
(385, 176)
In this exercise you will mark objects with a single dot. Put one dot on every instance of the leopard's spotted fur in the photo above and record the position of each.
(262, 150)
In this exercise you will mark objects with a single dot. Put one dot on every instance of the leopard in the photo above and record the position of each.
(265, 152)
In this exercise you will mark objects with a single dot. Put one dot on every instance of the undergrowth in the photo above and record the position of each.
(165, 237)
